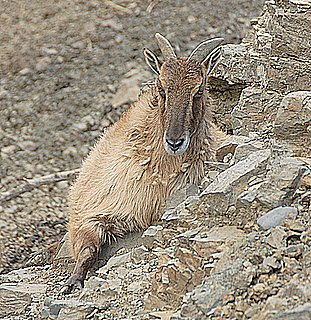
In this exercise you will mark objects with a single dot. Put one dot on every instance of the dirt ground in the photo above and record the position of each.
(60, 65)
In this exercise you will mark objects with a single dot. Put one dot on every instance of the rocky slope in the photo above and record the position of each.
(62, 63)
(237, 247)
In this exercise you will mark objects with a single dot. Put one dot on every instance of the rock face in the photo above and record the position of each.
(272, 66)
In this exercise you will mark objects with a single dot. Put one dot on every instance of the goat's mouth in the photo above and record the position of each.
(176, 147)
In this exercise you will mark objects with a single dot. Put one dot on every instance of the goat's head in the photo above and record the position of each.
(180, 85)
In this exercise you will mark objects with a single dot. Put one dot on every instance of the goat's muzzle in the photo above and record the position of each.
(176, 147)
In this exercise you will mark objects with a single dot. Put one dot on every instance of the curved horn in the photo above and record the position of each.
(204, 49)
(165, 47)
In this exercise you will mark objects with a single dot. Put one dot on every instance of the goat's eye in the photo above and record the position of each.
(200, 92)
(161, 90)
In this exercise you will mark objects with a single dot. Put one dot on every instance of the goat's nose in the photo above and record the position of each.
(175, 144)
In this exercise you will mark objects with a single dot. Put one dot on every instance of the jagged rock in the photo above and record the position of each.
(219, 234)
(222, 193)
(177, 205)
(189, 233)
(16, 297)
(24, 274)
(8, 150)
(152, 231)
(13, 302)
(276, 238)
(276, 217)
(95, 283)
(230, 145)
(206, 297)
(271, 262)
(302, 312)
(66, 309)
(180, 196)
(256, 108)
(65, 250)
(273, 60)
(28, 145)
(115, 261)
(276, 187)
(31, 288)
(281, 182)
(243, 150)
(293, 121)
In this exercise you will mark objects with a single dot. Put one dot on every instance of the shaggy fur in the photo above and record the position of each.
(125, 180)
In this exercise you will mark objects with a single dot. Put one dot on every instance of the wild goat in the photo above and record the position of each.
(157, 147)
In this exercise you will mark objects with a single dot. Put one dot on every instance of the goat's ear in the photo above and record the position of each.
(152, 61)
(211, 61)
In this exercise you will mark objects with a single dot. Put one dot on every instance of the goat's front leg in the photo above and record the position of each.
(85, 261)
(87, 237)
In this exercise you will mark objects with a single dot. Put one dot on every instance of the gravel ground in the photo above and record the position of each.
(61, 63)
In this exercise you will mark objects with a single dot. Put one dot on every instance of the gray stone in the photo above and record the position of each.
(229, 146)
(293, 121)
(271, 262)
(31, 288)
(152, 231)
(21, 274)
(203, 299)
(28, 145)
(13, 302)
(66, 309)
(276, 238)
(276, 217)
(180, 196)
(65, 251)
(272, 52)
(8, 150)
(255, 108)
(243, 150)
(223, 192)
(95, 282)
(115, 261)
(70, 151)
(189, 233)
(82, 126)
(43, 64)
(302, 312)
(233, 57)
(25, 71)
(180, 212)
(277, 186)
(219, 234)
(78, 45)
(135, 286)
(112, 23)
(50, 51)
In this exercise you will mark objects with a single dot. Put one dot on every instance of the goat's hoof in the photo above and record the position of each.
(74, 283)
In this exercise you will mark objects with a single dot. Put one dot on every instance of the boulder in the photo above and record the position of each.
(292, 123)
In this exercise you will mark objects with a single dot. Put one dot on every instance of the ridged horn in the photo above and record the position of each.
(165, 47)
(204, 49)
